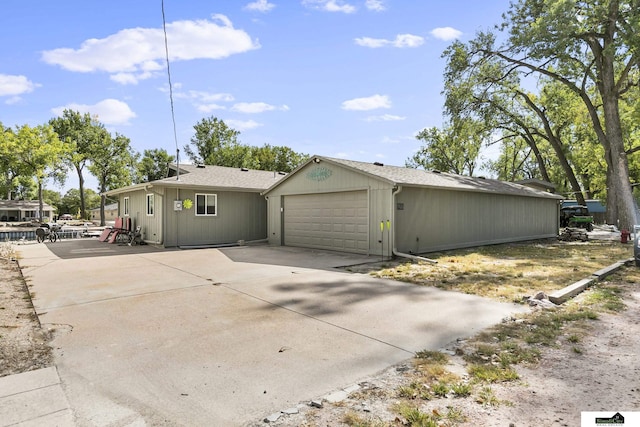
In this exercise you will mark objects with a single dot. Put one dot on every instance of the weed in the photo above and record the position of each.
(577, 350)
(415, 417)
(432, 356)
(606, 297)
(455, 415)
(573, 338)
(461, 389)
(492, 373)
(440, 389)
(486, 397)
(414, 390)
(353, 419)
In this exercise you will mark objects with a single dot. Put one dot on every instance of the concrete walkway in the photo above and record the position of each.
(212, 337)
(34, 398)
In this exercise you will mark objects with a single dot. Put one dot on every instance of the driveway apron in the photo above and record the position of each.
(205, 337)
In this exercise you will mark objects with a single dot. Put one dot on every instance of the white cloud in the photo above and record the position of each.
(202, 96)
(256, 107)
(369, 103)
(446, 33)
(260, 6)
(11, 85)
(108, 111)
(330, 5)
(242, 124)
(401, 41)
(205, 102)
(135, 54)
(385, 118)
(370, 42)
(375, 5)
(207, 108)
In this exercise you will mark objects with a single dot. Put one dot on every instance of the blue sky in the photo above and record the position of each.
(352, 79)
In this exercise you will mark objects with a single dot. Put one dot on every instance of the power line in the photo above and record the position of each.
(173, 115)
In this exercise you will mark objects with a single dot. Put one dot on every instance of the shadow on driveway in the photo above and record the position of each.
(295, 257)
(92, 247)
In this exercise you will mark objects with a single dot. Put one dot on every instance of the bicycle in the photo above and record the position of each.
(47, 232)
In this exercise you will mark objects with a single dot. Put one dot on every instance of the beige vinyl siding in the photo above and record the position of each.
(239, 216)
(151, 224)
(433, 219)
(317, 181)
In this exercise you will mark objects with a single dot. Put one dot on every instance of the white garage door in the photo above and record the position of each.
(334, 221)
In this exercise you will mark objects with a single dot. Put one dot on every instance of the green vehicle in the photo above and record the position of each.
(576, 216)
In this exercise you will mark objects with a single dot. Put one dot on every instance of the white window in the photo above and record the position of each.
(125, 208)
(150, 204)
(206, 204)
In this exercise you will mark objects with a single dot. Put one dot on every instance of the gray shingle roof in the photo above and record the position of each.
(421, 178)
(222, 177)
(23, 204)
(211, 177)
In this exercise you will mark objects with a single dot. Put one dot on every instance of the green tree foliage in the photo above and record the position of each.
(214, 143)
(70, 202)
(39, 152)
(154, 165)
(592, 48)
(454, 149)
(276, 158)
(79, 132)
(112, 163)
(52, 198)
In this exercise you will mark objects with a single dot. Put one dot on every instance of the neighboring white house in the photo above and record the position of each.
(110, 213)
(24, 210)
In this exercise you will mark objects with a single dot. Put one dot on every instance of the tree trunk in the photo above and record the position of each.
(619, 185)
(40, 201)
(81, 188)
(103, 199)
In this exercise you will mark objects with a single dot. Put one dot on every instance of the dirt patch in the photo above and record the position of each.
(592, 365)
(24, 344)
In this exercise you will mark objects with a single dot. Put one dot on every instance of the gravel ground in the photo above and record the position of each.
(24, 345)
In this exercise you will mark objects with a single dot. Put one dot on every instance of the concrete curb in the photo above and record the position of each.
(562, 295)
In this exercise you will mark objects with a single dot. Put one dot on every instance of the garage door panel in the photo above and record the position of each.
(334, 221)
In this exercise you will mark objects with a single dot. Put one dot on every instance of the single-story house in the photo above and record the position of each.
(199, 205)
(24, 210)
(110, 213)
(371, 208)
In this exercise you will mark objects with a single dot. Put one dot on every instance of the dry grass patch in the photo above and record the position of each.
(510, 271)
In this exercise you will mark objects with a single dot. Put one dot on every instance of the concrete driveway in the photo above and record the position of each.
(226, 337)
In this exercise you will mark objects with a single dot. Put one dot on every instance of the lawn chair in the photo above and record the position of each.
(135, 237)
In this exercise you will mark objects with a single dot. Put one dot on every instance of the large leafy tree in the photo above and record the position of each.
(41, 155)
(455, 149)
(79, 132)
(591, 47)
(276, 158)
(215, 143)
(112, 163)
(153, 165)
